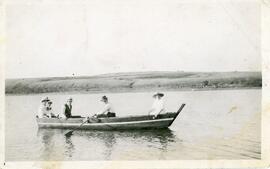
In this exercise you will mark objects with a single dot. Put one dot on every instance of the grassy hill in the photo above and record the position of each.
(136, 81)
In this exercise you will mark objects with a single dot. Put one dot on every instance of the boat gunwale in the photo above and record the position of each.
(128, 118)
(109, 123)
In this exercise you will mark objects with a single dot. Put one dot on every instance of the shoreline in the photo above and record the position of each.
(136, 82)
(134, 91)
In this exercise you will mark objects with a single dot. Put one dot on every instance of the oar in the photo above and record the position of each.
(70, 132)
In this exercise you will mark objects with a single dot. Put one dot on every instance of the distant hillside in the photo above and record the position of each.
(136, 81)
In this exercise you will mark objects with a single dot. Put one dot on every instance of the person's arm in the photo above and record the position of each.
(45, 112)
(159, 111)
(63, 111)
(105, 109)
(150, 111)
(153, 107)
(40, 113)
(160, 107)
(51, 113)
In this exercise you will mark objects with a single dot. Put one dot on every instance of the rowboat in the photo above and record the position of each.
(112, 123)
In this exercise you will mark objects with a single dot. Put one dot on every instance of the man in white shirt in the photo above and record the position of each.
(108, 108)
(158, 105)
(42, 110)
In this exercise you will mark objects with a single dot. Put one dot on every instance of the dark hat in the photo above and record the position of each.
(45, 99)
(69, 99)
(104, 98)
(158, 94)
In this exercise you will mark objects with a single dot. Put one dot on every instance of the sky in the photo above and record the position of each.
(99, 36)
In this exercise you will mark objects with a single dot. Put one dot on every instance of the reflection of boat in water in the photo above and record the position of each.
(101, 145)
(113, 144)
(162, 135)
(55, 146)
(112, 123)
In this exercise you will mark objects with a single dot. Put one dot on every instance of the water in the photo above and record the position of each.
(213, 125)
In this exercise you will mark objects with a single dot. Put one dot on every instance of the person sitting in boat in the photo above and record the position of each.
(50, 110)
(107, 110)
(42, 110)
(158, 105)
(66, 113)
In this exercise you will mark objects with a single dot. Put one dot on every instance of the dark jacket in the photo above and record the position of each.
(68, 111)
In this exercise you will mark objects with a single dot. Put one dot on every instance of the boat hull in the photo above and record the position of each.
(111, 123)
(64, 124)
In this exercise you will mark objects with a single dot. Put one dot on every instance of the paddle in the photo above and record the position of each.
(70, 132)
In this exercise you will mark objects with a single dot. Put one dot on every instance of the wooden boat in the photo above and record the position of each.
(112, 123)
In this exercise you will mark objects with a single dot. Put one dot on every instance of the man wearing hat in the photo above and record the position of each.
(108, 108)
(67, 108)
(42, 110)
(158, 105)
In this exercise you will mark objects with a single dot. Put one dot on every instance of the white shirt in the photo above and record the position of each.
(107, 108)
(42, 110)
(49, 111)
(62, 115)
(157, 107)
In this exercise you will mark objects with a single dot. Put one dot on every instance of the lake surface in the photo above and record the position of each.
(222, 124)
